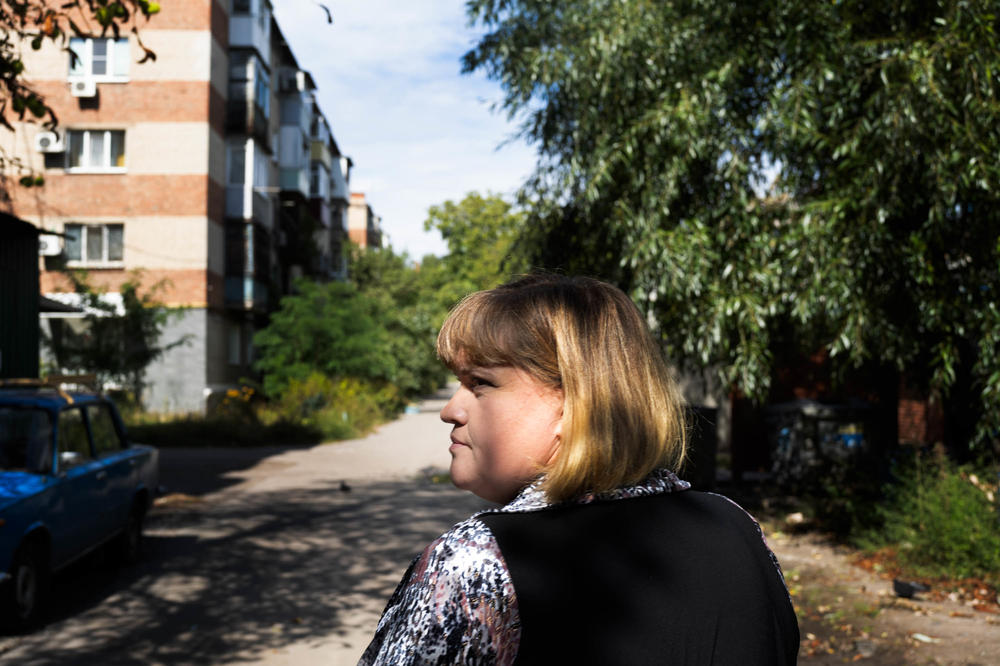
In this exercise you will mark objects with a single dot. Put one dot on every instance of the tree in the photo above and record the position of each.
(875, 127)
(116, 343)
(480, 231)
(406, 304)
(33, 22)
(329, 328)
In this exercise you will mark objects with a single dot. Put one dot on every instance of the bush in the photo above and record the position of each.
(941, 519)
(196, 430)
(308, 411)
(338, 408)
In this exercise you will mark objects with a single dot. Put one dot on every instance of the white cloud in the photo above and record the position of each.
(388, 79)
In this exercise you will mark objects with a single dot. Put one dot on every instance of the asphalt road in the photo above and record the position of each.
(260, 556)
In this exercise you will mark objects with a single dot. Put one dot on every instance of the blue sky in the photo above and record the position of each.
(419, 132)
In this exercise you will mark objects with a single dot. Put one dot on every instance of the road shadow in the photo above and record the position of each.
(199, 471)
(224, 582)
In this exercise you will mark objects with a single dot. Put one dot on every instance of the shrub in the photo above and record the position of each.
(196, 430)
(942, 519)
(338, 408)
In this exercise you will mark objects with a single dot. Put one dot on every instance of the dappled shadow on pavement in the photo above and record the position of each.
(225, 581)
(200, 471)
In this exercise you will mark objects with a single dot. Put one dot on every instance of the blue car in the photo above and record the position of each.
(70, 482)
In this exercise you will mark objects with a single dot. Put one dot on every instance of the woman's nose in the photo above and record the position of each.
(453, 412)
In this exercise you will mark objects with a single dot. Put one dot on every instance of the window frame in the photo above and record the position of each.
(64, 462)
(117, 56)
(103, 410)
(86, 138)
(85, 260)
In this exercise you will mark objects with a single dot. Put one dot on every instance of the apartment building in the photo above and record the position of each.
(364, 227)
(211, 169)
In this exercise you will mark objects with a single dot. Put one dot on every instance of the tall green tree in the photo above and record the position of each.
(405, 304)
(480, 232)
(328, 328)
(765, 174)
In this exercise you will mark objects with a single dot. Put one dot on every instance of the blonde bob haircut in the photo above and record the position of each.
(622, 411)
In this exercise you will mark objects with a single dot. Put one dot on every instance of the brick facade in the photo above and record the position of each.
(179, 288)
(121, 195)
(136, 101)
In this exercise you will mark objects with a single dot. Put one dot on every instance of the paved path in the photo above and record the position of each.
(259, 556)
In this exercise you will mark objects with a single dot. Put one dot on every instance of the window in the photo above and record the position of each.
(96, 150)
(262, 88)
(315, 173)
(95, 243)
(103, 430)
(237, 164)
(25, 439)
(235, 344)
(264, 17)
(74, 445)
(101, 59)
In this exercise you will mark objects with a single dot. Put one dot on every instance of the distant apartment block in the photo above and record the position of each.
(364, 227)
(211, 168)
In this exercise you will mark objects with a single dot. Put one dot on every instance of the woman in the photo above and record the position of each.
(567, 416)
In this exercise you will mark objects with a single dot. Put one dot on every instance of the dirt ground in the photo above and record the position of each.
(848, 613)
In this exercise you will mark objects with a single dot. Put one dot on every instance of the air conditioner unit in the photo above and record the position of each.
(83, 88)
(48, 142)
(49, 245)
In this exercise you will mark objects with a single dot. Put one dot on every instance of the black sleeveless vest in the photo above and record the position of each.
(678, 578)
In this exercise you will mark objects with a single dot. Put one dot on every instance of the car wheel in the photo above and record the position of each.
(27, 587)
(129, 542)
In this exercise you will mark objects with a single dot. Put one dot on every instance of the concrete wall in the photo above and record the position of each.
(176, 382)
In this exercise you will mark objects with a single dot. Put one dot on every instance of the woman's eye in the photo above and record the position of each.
(478, 382)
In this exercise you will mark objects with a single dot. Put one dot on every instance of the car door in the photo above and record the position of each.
(117, 465)
(75, 518)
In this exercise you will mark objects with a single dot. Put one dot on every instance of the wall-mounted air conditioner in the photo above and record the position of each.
(83, 87)
(49, 245)
(48, 142)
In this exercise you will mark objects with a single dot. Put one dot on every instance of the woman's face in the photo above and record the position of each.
(506, 427)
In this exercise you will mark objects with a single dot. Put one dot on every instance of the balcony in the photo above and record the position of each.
(294, 180)
(248, 260)
(244, 115)
(339, 188)
(252, 29)
(245, 204)
(245, 293)
(320, 152)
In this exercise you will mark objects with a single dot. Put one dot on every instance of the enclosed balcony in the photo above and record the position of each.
(245, 203)
(250, 26)
(248, 262)
(248, 109)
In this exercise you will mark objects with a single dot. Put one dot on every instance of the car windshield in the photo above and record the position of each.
(25, 439)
